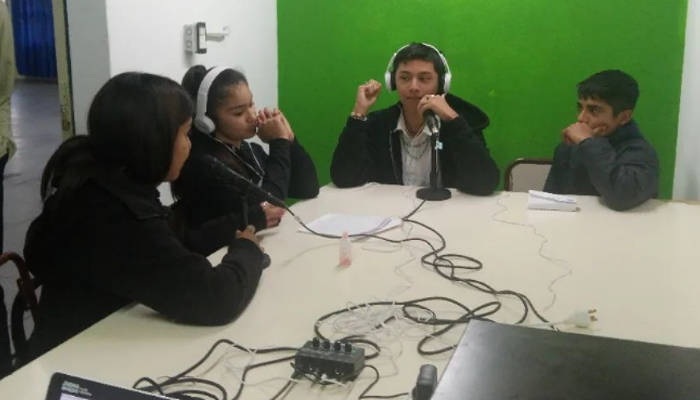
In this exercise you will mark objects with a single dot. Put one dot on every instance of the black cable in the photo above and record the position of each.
(445, 259)
(364, 394)
(480, 313)
(232, 344)
(315, 378)
(181, 393)
(197, 381)
(434, 259)
(182, 377)
(478, 285)
(439, 261)
(358, 235)
(255, 366)
(286, 387)
(415, 210)
(154, 385)
(426, 339)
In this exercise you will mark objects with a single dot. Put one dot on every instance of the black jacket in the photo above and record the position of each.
(622, 168)
(209, 210)
(110, 245)
(370, 151)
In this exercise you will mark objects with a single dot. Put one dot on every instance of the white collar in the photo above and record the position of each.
(401, 125)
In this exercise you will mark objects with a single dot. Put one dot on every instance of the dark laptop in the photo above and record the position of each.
(66, 387)
(505, 362)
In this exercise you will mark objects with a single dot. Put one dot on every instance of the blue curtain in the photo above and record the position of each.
(35, 48)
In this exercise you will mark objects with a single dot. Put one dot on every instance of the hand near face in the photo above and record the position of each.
(438, 105)
(578, 132)
(271, 125)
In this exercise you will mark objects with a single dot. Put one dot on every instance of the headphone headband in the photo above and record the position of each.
(201, 120)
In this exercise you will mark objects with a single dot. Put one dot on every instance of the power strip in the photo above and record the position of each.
(339, 361)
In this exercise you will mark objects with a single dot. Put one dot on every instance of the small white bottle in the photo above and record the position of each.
(345, 250)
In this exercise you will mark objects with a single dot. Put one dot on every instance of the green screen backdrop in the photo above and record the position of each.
(518, 60)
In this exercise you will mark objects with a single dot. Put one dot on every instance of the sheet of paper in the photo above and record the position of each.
(336, 224)
(552, 202)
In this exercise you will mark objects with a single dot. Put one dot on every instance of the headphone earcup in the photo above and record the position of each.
(205, 124)
(447, 82)
(389, 82)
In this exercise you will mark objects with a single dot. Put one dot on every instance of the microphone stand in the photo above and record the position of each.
(434, 193)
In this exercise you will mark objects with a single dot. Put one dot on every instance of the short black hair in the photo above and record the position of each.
(419, 51)
(132, 127)
(218, 91)
(618, 89)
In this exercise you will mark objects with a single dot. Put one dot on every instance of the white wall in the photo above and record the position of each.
(108, 37)
(147, 36)
(687, 175)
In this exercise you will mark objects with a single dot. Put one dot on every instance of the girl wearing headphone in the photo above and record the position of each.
(208, 205)
(392, 145)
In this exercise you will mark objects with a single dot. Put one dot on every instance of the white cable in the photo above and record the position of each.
(368, 320)
(555, 261)
(325, 379)
(238, 371)
(579, 319)
(391, 357)
(361, 188)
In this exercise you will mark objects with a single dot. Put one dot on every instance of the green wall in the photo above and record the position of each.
(517, 59)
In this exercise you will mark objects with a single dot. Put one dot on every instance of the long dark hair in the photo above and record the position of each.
(132, 126)
(217, 96)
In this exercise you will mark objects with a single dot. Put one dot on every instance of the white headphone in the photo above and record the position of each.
(391, 83)
(201, 121)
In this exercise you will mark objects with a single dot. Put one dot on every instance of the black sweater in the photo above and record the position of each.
(622, 168)
(209, 211)
(370, 151)
(110, 245)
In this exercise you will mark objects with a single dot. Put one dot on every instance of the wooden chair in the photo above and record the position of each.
(26, 300)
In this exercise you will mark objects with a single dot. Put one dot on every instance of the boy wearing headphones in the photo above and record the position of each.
(392, 146)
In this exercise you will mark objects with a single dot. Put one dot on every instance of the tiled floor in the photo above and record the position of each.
(36, 127)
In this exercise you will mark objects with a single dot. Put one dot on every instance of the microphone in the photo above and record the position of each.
(433, 192)
(223, 173)
(431, 119)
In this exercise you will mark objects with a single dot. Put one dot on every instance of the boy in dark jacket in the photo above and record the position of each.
(604, 153)
(391, 146)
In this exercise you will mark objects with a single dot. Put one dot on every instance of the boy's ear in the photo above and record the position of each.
(624, 117)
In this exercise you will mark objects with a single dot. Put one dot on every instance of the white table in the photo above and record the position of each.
(639, 269)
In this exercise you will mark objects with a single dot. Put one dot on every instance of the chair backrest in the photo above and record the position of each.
(26, 299)
(526, 174)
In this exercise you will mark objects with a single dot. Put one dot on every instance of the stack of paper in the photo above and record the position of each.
(548, 201)
(336, 224)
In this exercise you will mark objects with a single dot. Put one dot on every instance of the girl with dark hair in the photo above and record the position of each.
(208, 209)
(103, 241)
